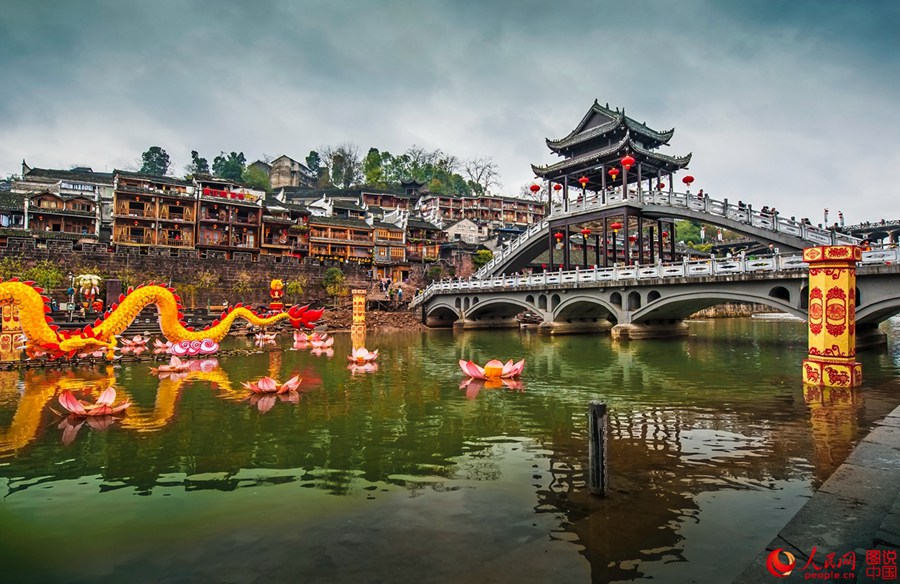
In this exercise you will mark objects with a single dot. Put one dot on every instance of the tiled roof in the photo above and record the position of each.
(12, 201)
(105, 178)
(616, 120)
(340, 221)
(415, 223)
(45, 234)
(171, 180)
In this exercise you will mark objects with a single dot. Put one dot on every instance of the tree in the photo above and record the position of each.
(482, 173)
(255, 177)
(155, 161)
(373, 168)
(481, 257)
(242, 285)
(334, 282)
(294, 288)
(229, 167)
(198, 165)
(343, 164)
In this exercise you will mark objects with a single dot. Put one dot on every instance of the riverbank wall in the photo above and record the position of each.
(241, 278)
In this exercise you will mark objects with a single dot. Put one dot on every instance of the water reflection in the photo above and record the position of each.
(690, 420)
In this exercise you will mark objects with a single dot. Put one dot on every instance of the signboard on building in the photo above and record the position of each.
(80, 187)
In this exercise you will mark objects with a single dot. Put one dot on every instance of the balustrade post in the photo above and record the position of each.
(831, 318)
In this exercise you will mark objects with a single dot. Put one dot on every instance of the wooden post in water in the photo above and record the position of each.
(598, 422)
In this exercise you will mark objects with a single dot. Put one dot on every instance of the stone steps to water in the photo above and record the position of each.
(856, 510)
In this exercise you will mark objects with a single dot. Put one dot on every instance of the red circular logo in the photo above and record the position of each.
(777, 567)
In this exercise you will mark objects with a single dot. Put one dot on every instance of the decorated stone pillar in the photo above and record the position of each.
(358, 327)
(832, 316)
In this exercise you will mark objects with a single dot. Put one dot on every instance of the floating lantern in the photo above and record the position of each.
(627, 161)
(688, 180)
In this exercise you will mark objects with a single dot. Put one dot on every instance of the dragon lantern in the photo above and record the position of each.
(42, 337)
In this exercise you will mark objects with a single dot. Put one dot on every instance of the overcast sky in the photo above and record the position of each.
(791, 104)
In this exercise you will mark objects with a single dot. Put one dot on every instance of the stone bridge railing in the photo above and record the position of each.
(741, 214)
(618, 274)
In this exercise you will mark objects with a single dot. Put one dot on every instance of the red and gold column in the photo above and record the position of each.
(10, 331)
(832, 316)
(358, 327)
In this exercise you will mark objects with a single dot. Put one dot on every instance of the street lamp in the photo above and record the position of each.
(584, 234)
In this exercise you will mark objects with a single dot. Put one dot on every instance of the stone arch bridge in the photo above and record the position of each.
(652, 301)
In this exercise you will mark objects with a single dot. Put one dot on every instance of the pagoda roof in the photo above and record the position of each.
(607, 121)
(588, 161)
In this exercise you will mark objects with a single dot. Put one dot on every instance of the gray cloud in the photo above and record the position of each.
(791, 105)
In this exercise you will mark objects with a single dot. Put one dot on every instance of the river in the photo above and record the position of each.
(401, 476)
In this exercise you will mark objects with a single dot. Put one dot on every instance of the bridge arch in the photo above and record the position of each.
(442, 314)
(653, 295)
(680, 306)
(583, 306)
(503, 307)
(878, 312)
(781, 293)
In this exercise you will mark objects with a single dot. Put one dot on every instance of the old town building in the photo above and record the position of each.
(153, 211)
(339, 240)
(229, 216)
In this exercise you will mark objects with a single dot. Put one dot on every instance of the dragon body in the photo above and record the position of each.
(42, 337)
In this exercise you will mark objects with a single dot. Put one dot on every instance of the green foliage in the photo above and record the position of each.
(481, 257)
(704, 247)
(293, 289)
(434, 273)
(242, 285)
(334, 282)
(198, 165)
(229, 166)
(314, 162)
(373, 169)
(256, 178)
(46, 274)
(688, 231)
(155, 161)
(12, 268)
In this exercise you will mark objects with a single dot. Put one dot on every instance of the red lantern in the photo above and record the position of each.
(665, 234)
(584, 181)
(534, 188)
(558, 235)
(632, 238)
(585, 232)
(613, 173)
(615, 226)
(688, 180)
(543, 266)
(627, 161)
(660, 186)
(557, 187)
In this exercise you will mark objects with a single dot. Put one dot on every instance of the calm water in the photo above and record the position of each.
(400, 476)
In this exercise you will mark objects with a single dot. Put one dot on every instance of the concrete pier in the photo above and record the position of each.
(856, 510)
(661, 330)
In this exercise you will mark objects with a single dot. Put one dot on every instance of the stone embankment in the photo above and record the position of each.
(732, 310)
(856, 511)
